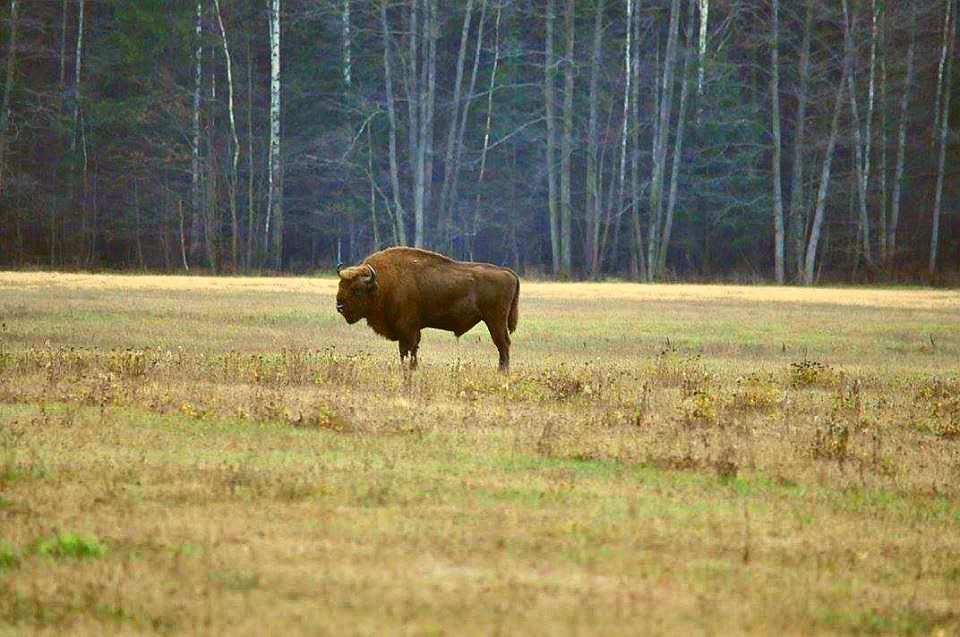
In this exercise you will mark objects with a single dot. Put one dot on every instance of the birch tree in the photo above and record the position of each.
(859, 160)
(444, 231)
(453, 199)
(810, 259)
(549, 98)
(275, 166)
(778, 251)
(902, 140)
(944, 46)
(797, 221)
(8, 90)
(660, 139)
(566, 150)
(702, 52)
(398, 216)
(944, 121)
(233, 177)
(593, 204)
(637, 256)
(486, 132)
(677, 146)
(195, 212)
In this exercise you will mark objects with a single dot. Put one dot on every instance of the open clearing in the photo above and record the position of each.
(211, 455)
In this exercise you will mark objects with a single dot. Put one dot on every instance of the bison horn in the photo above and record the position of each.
(339, 267)
(373, 275)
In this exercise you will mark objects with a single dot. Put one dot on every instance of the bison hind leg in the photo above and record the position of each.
(501, 338)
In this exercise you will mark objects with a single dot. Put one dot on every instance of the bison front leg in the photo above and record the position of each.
(408, 347)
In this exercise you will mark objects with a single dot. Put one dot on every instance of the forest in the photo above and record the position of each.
(797, 141)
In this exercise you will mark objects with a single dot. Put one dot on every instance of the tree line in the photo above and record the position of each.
(653, 139)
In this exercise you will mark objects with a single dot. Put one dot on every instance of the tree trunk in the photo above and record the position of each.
(486, 133)
(549, 98)
(195, 212)
(702, 53)
(373, 192)
(275, 196)
(594, 169)
(251, 202)
(136, 214)
(660, 144)
(8, 91)
(627, 89)
(63, 47)
(902, 140)
(811, 254)
(860, 161)
(868, 132)
(947, 21)
(638, 254)
(444, 232)
(797, 223)
(566, 150)
(235, 140)
(399, 225)
(775, 110)
(884, 166)
(468, 103)
(677, 146)
(183, 237)
(950, 26)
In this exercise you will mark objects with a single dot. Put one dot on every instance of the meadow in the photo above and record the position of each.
(226, 456)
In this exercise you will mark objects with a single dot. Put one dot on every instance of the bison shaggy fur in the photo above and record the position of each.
(401, 291)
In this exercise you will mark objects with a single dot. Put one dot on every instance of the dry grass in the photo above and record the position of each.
(220, 455)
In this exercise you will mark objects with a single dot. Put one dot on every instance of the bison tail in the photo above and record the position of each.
(514, 311)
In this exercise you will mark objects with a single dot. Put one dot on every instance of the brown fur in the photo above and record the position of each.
(409, 289)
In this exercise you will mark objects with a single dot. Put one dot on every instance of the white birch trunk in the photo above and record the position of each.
(947, 21)
(566, 204)
(944, 140)
(465, 112)
(594, 173)
(549, 98)
(809, 267)
(8, 91)
(677, 147)
(702, 52)
(399, 223)
(638, 252)
(234, 138)
(902, 139)
(884, 166)
(660, 143)
(858, 142)
(486, 132)
(275, 177)
(797, 205)
(444, 231)
(195, 213)
(778, 242)
(627, 88)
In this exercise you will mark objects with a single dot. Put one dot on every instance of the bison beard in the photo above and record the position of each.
(401, 291)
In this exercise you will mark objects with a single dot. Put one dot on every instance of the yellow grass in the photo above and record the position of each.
(225, 456)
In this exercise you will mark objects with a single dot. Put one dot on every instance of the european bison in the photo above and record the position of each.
(401, 291)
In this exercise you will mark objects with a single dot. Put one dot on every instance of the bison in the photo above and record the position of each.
(401, 291)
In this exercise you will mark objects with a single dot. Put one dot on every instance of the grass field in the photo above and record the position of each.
(226, 456)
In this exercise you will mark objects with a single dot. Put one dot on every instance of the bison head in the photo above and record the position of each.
(357, 293)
